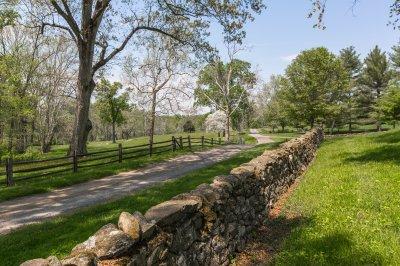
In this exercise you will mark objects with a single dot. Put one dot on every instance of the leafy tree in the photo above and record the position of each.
(110, 105)
(101, 29)
(274, 112)
(315, 86)
(189, 126)
(224, 86)
(388, 106)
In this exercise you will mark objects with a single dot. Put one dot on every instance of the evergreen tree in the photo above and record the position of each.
(376, 74)
(373, 81)
(351, 62)
(395, 58)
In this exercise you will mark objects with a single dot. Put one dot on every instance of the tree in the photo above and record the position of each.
(55, 89)
(223, 86)
(110, 105)
(373, 81)
(315, 86)
(388, 106)
(216, 121)
(189, 126)
(395, 58)
(351, 62)
(101, 29)
(156, 79)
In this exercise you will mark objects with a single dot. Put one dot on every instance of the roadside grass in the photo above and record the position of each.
(58, 236)
(47, 183)
(348, 203)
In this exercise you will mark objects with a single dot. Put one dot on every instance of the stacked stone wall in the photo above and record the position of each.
(206, 226)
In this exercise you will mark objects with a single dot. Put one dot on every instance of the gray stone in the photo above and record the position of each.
(36, 262)
(130, 225)
(171, 211)
(53, 261)
(83, 259)
(109, 242)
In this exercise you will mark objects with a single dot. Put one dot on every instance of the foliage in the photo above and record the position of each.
(189, 126)
(110, 105)
(314, 87)
(388, 105)
(216, 121)
(224, 87)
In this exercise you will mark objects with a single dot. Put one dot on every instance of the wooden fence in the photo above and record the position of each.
(23, 170)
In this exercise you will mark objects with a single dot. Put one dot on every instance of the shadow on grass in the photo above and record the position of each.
(288, 241)
(388, 137)
(386, 153)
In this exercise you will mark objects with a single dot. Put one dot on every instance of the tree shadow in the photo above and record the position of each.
(389, 137)
(387, 153)
(282, 241)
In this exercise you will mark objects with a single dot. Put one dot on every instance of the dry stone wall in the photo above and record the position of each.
(206, 226)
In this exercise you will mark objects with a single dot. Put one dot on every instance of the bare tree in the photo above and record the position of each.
(156, 79)
(101, 29)
(56, 83)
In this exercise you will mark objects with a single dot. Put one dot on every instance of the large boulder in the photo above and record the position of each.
(171, 211)
(107, 243)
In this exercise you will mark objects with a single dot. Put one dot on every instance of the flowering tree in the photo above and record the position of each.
(216, 121)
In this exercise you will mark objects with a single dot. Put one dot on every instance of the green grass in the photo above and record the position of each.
(47, 183)
(347, 206)
(59, 236)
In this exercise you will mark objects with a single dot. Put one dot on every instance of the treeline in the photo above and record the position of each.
(335, 91)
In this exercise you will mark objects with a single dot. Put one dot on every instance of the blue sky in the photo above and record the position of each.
(283, 30)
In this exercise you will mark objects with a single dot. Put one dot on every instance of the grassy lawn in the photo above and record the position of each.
(60, 235)
(347, 206)
(50, 182)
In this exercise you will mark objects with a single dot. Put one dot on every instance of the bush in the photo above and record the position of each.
(189, 127)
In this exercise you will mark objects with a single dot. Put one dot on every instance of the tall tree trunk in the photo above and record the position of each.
(152, 119)
(113, 133)
(86, 85)
(227, 128)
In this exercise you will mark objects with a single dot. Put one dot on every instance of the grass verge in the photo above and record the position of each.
(60, 235)
(347, 205)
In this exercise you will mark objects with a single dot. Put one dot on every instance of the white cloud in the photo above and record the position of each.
(289, 58)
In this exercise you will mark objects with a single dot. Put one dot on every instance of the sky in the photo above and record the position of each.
(283, 30)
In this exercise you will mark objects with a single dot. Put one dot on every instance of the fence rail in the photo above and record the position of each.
(28, 169)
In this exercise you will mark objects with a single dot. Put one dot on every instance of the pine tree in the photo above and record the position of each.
(373, 81)
(376, 73)
(351, 62)
(395, 58)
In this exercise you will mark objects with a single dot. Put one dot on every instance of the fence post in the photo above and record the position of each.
(212, 141)
(173, 143)
(189, 142)
(120, 152)
(219, 141)
(9, 172)
(202, 142)
(181, 142)
(75, 162)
